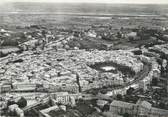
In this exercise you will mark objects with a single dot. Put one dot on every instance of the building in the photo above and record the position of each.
(24, 86)
(167, 86)
(132, 36)
(143, 84)
(155, 112)
(140, 109)
(144, 108)
(33, 109)
(61, 97)
(92, 33)
(73, 88)
(101, 103)
(62, 87)
(44, 112)
(119, 107)
(117, 91)
(65, 98)
(109, 114)
(5, 88)
(15, 109)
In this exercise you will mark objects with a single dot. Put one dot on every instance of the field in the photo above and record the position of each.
(103, 18)
(28, 13)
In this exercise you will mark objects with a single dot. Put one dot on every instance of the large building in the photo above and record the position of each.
(140, 109)
(65, 98)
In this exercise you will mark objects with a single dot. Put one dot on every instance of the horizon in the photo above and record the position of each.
(93, 3)
(143, 2)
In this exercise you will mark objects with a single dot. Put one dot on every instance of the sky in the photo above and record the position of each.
(94, 1)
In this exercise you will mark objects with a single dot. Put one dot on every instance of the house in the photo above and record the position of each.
(132, 35)
(92, 33)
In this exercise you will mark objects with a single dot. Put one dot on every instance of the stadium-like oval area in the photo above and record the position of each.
(112, 67)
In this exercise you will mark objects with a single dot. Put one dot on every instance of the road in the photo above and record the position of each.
(140, 76)
(137, 78)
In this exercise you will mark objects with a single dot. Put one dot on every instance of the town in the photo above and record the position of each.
(85, 70)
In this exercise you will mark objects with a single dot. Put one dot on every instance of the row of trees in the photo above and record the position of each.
(22, 102)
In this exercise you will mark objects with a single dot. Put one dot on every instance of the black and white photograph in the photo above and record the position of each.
(83, 58)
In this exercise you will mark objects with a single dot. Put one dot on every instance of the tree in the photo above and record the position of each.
(137, 52)
(119, 97)
(154, 81)
(59, 74)
(119, 35)
(106, 107)
(103, 91)
(130, 91)
(22, 102)
(126, 115)
(10, 102)
(162, 105)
